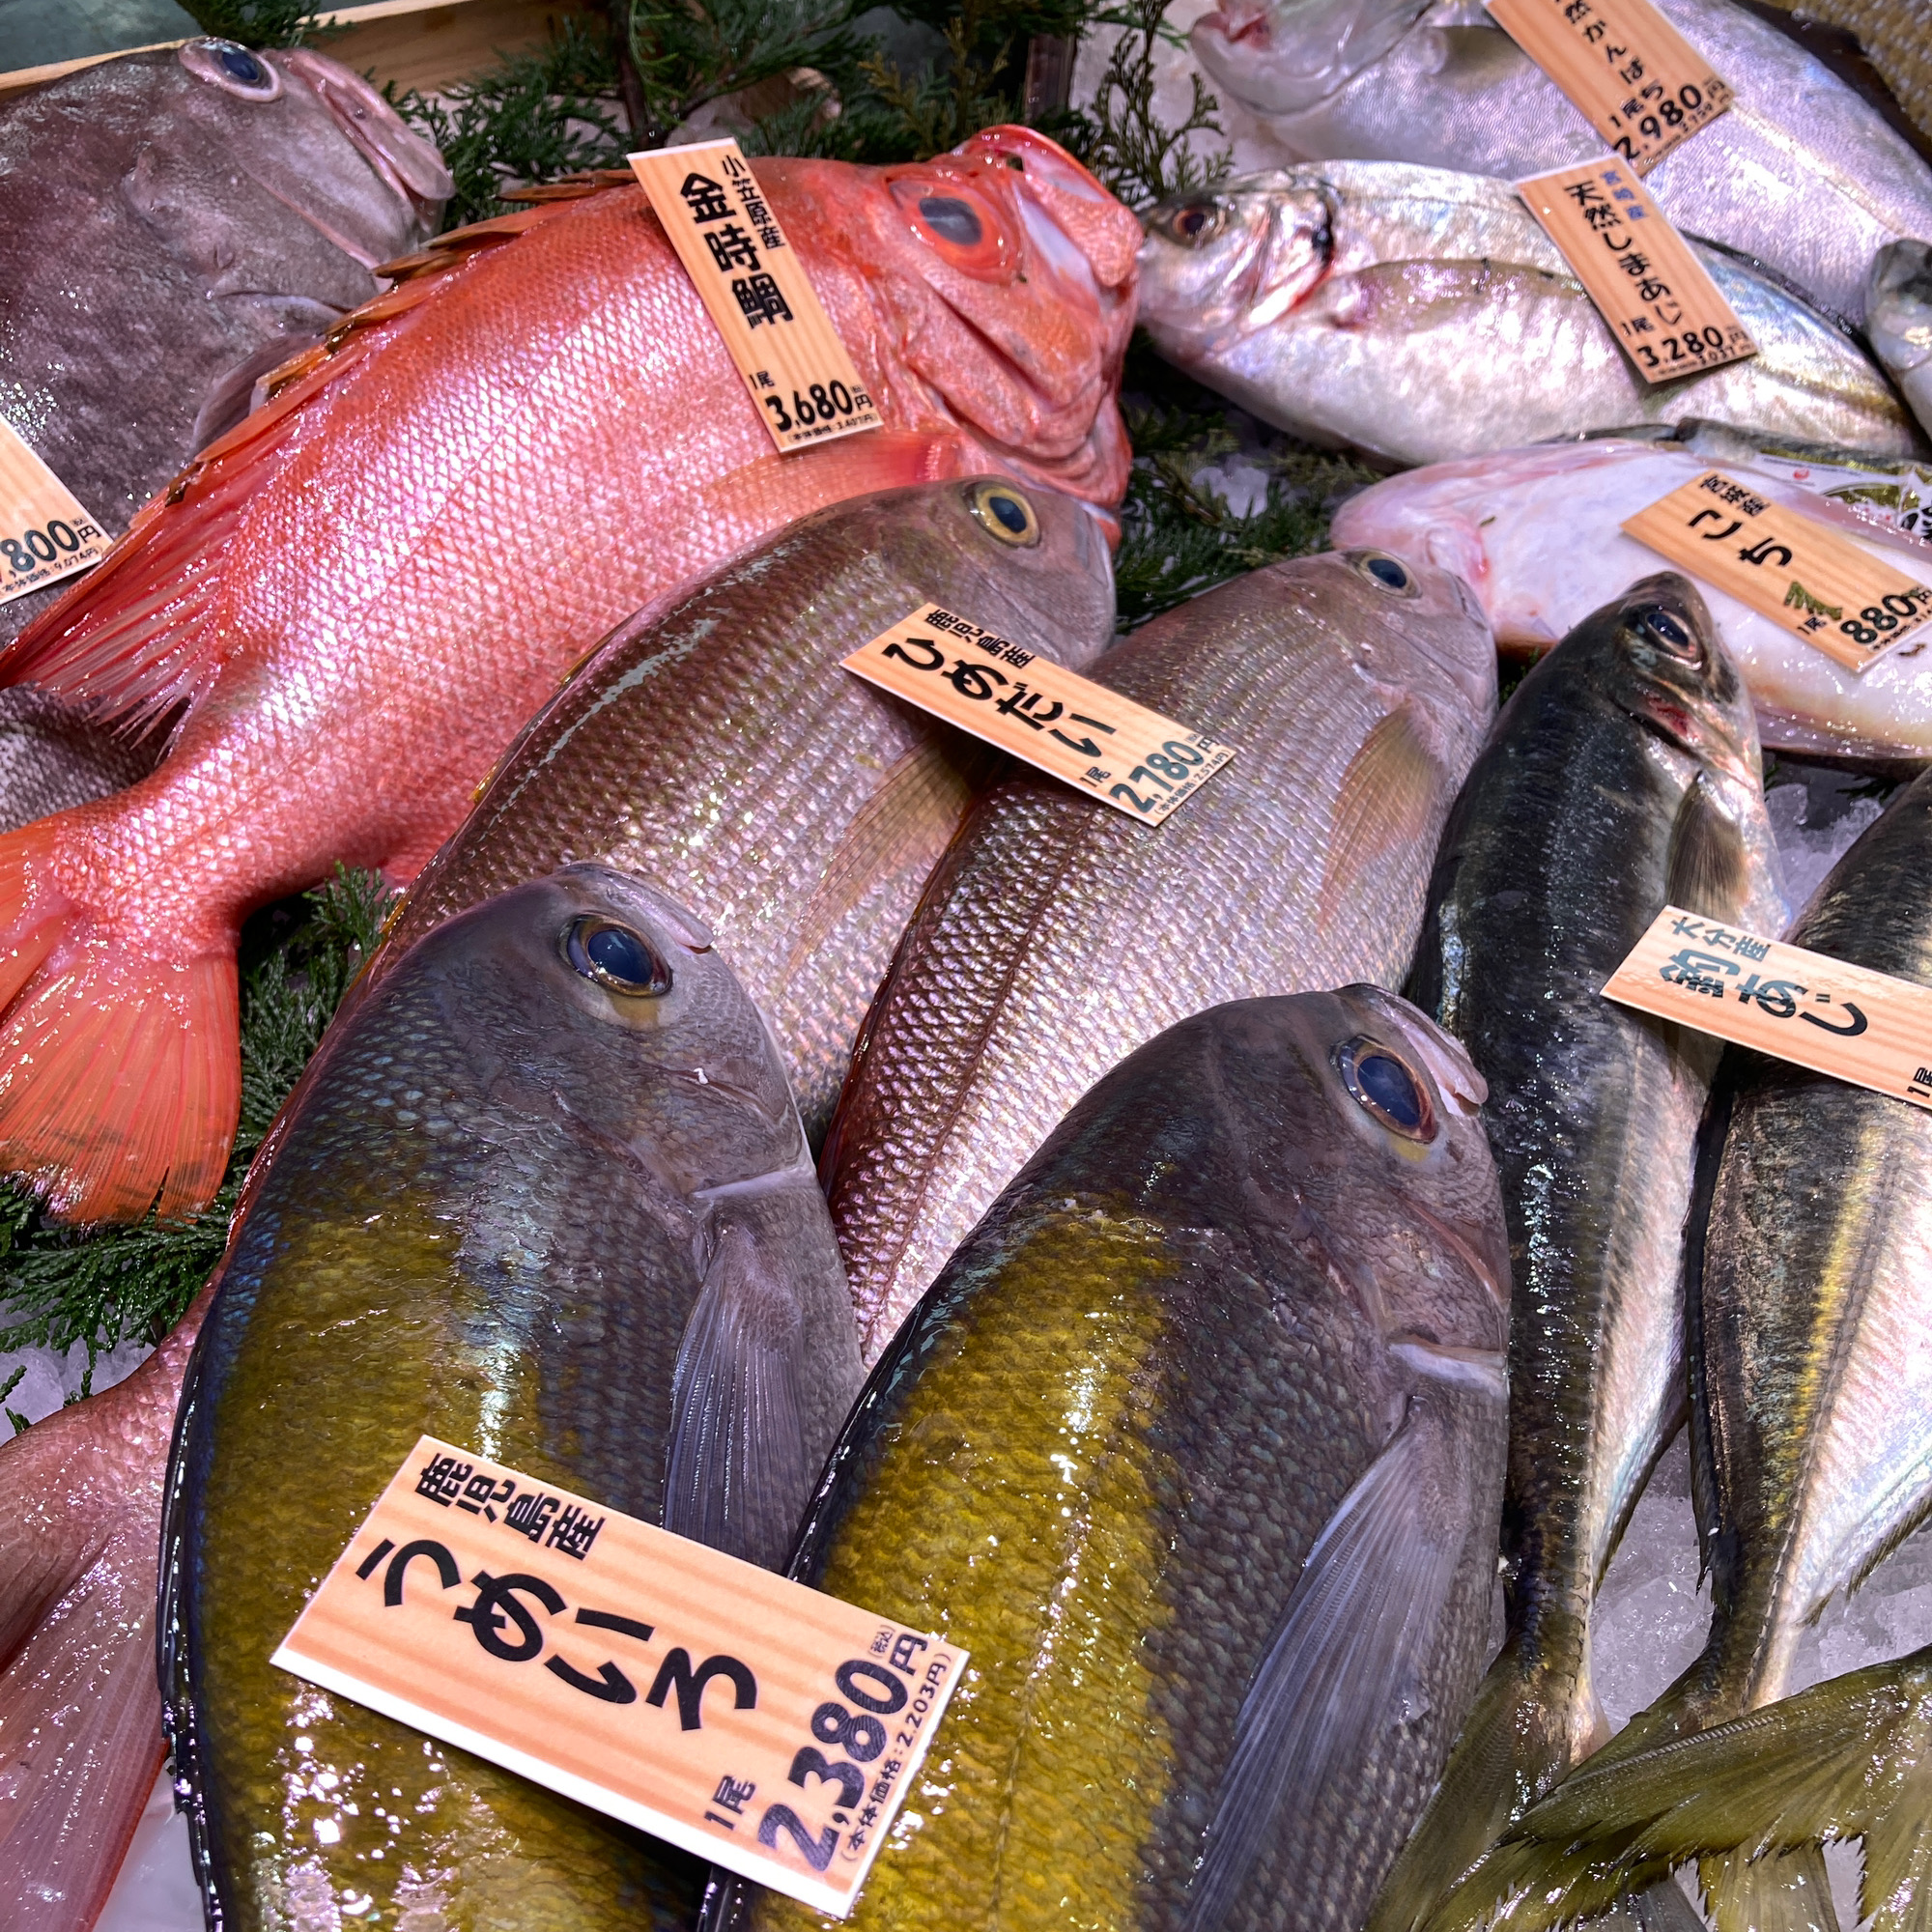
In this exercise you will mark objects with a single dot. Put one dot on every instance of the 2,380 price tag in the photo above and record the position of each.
(44, 533)
(735, 251)
(764, 1725)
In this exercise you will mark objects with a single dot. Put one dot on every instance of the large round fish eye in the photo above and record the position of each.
(951, 218)
(1005, 513)
(1386, 572)
(232, 67)
(1194, 222)
(618, 958)
(1386, 1088)
(1660, 628)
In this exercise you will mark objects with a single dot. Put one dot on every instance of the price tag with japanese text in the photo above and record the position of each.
(1848, 1021)
(1626, 68)
(1816, 581)
(1658, 299)
(728, 238)
(45, 534)
(1067, 725)
(764, 1725)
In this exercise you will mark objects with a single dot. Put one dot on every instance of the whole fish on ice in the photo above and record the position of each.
(363, 591)
(1418, 315)
(1799, 173)
(1536, 535)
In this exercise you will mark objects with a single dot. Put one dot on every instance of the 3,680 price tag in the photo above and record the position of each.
(764, 1725)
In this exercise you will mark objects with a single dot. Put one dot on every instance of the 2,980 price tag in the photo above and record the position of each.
(764, 1725)
(736, 254)
(45, 534)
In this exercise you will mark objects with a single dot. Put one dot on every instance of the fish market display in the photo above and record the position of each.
(365, 589)
(1799, 173)
(1898, 318)
(1057, 934)
(1621, 777)
(1535, 533)
(1417, 315)
(1196, 1446)
(720, 751)
(545, 1194)
(80, 1723)
(1811, 1332)
(172, 225)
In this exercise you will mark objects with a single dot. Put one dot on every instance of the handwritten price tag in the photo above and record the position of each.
(736, 254)
(1816, 582)
(45, 534)
(764, 1725)
(1626, 68)
(1097, 741)
(1658, 299)
(1848, 1021)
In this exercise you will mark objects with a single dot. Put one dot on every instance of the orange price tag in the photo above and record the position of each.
(1626, 68)
(1658, 299)
(1848, 1021)
(1817, 582)
(1097, 741)
(737, 255)
(764, 1725)
(45, 534)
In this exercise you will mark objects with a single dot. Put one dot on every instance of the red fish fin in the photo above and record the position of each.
(120, 1078)
(776, 488)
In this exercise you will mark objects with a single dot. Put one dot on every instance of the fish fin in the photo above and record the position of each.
(1851, 1757)
(1782, 1891)
(1707, 866)
(1387, 802)
(120, 1075)
(735, 1468)
(1335, 1673)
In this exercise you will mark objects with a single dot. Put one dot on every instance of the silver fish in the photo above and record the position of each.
(1801, 173)
(1898, 318)
(1418, 315)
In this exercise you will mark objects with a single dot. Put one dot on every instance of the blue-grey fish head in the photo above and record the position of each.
(1286, 56)
(1226, 260)
(1898, 307)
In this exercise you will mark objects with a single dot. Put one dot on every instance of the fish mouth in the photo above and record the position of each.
(399, 157)
(1238, 26)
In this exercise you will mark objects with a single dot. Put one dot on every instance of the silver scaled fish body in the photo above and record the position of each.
(1898, 320)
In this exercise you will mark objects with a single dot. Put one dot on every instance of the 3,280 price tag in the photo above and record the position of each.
(44, 533)
(735, 251)
(764, 1725)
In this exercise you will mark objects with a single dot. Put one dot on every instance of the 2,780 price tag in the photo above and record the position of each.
(764, 1725)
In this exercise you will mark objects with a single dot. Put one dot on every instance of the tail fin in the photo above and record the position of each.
(1849, 1758)
(120, 1074)
(80, 1713)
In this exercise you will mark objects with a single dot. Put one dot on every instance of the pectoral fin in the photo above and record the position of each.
(1389, 799)
(1708, 868)
(736, 1475)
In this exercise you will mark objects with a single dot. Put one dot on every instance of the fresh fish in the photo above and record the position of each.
(366, 590)
(1801, 173)
(1196, 1446)
(53, 757)
(545, 1195)
(1057, 934)
(81, 1721)
(1898, 318)
(1537, 535)
(1621, 777)
(720, 751)
(1417, 315)
(172, 225)
(1810, 1333)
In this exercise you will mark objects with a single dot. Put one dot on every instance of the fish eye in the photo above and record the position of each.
(615, 956)
(1195, 223)
(1384, 1087)
(232, 67)
(951, 219)
(1660, 628)
(1388, 572)
(1005, 513)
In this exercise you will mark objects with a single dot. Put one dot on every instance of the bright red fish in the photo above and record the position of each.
(363, 593)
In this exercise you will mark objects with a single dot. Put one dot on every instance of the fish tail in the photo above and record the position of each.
(119, 1073)
(1752, 1801)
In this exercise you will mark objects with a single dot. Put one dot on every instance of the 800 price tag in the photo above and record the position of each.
(44, 533)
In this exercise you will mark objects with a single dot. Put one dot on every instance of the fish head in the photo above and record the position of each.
(1657, 655)
(1226, 260)
(1395, 1169)
(1286, 56)
(1411, 626)
(1898, 306)
(595, 1000)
